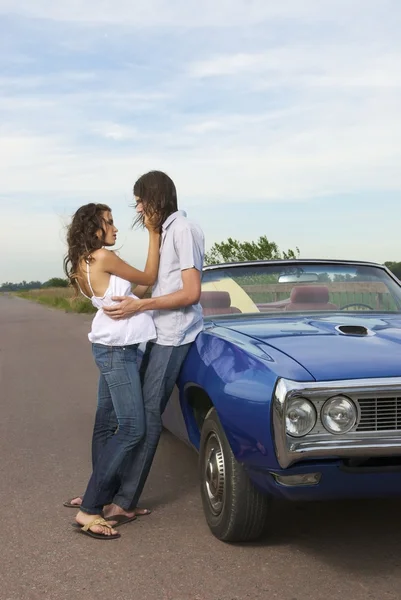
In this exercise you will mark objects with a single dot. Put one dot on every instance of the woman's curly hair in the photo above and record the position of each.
(83, 239)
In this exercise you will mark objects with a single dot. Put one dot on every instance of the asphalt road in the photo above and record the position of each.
(348, 550)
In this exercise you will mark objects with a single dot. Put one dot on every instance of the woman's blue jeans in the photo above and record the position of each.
(119, 423)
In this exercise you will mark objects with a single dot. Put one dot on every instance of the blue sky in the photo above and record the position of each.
(273, 118)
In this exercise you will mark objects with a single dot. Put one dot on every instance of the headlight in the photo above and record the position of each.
(300, 417)
(339, 414)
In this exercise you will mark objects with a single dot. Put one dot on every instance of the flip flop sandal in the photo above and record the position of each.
(68, 504)
(145, 512)
(120, 520)
(98, 536)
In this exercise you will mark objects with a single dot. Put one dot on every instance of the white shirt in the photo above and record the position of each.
(182, 247)
(124, 332)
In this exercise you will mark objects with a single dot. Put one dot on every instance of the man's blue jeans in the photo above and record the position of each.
(119, 423)
(159, 371)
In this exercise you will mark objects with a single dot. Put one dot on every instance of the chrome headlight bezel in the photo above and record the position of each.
(308, 407)
(320, 444)
(325, 417)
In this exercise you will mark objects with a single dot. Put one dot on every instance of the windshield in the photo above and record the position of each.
(298, 288)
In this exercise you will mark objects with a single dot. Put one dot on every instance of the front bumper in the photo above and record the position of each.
(320, 444)
(336, 482)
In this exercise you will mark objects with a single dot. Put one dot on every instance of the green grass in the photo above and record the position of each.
(61, 298)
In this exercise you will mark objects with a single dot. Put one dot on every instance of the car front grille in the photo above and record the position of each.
(379, 414)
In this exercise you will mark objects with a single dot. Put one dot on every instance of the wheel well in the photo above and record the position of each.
(200, 403)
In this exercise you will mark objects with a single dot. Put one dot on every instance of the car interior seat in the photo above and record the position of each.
(310, 297)
(217, 303)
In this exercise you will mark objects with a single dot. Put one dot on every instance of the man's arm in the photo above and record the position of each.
(190, 250)
(140, 290)
(188, 295)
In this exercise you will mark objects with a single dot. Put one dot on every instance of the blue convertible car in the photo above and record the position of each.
(293, 389)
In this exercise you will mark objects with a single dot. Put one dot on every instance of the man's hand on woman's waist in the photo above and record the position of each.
(187, 296)
(126, 308)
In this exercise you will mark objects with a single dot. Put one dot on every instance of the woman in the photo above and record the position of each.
(99, 274)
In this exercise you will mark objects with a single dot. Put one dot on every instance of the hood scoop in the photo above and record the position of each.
(359, 330)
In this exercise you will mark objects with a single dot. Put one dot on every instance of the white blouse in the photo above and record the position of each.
(123, 332)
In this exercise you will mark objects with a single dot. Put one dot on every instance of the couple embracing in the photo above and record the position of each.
(130, 400)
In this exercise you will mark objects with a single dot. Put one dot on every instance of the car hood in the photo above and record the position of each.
(318, 344)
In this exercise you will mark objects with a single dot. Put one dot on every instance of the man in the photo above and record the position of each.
(177, 315)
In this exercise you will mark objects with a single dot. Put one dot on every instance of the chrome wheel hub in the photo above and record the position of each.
(214, 471)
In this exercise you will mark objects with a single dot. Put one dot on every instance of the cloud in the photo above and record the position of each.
(115, 131)
(239, 101)
(189, 13)
(230, 64)
(301, 65)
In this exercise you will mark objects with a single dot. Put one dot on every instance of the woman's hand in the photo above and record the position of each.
(148, 222)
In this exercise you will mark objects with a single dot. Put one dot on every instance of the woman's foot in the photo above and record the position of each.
(83, 519)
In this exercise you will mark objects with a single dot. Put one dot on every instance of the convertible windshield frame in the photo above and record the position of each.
(297, 262)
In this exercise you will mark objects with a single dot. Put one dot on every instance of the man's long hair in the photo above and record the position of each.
(158, 195)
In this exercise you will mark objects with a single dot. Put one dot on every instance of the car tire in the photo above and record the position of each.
(234, 509)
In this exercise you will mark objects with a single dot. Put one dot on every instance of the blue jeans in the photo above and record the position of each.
(159, 371)
(119, 422)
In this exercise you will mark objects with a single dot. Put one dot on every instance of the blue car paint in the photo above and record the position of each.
(237, 362)
(336, 483)
(328, 354)
(240, 383)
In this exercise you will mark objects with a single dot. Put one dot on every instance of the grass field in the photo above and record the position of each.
(62, 298)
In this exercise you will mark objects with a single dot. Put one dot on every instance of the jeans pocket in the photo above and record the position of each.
(131, 353)
(103, 356)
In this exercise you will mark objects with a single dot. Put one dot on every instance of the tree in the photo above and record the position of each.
(56, 282)
(235, 251)
(395, 268)
(23, 285)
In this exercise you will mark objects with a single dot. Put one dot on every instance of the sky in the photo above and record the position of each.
(273, 118)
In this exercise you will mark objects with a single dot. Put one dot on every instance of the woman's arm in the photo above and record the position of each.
(188, 295)
(114, 265)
